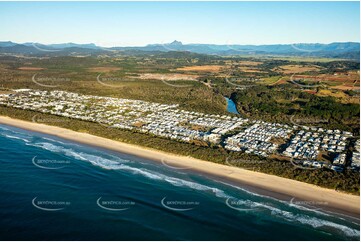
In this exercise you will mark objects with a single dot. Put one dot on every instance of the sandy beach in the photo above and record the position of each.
(311, 194)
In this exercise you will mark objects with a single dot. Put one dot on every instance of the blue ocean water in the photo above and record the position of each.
(53, 189)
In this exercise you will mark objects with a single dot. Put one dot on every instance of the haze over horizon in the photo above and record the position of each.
(170, 43)
(111, 24)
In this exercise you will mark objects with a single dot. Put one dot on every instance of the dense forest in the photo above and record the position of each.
(279, 104)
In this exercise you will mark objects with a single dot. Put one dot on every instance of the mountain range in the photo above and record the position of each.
(347, 50)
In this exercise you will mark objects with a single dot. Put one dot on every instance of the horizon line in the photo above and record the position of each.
(224, 44)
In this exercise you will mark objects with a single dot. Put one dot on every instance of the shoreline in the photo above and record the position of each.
(288, 189)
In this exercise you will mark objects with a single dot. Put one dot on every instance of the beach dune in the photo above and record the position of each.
(269, 184)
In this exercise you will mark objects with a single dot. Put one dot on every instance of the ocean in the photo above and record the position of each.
(54, 189)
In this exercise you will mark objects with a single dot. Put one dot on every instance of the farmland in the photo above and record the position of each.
(262, 87)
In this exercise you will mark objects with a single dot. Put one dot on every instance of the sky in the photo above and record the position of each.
(141, 23)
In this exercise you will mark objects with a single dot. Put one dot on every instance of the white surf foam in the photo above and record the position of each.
(172, 180)
(118, 164)
(94, 159)
(16, 137)
(3, 128)
(314, 210)
(312, 221)
(53, 140)
(246, 191)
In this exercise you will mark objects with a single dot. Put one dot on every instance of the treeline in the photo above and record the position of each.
(336, 66)
(278, 104)
(347, 181)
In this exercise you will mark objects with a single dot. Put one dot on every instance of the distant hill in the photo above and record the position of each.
(7, 43)
(347, 50)
(344, 50)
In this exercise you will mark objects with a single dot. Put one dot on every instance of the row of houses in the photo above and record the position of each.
(307, 145)
(257, 138)
(355, 159)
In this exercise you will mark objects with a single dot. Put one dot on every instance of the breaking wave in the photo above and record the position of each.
(118, 164)
(94, 159)
(15, 137)
(312, 221)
